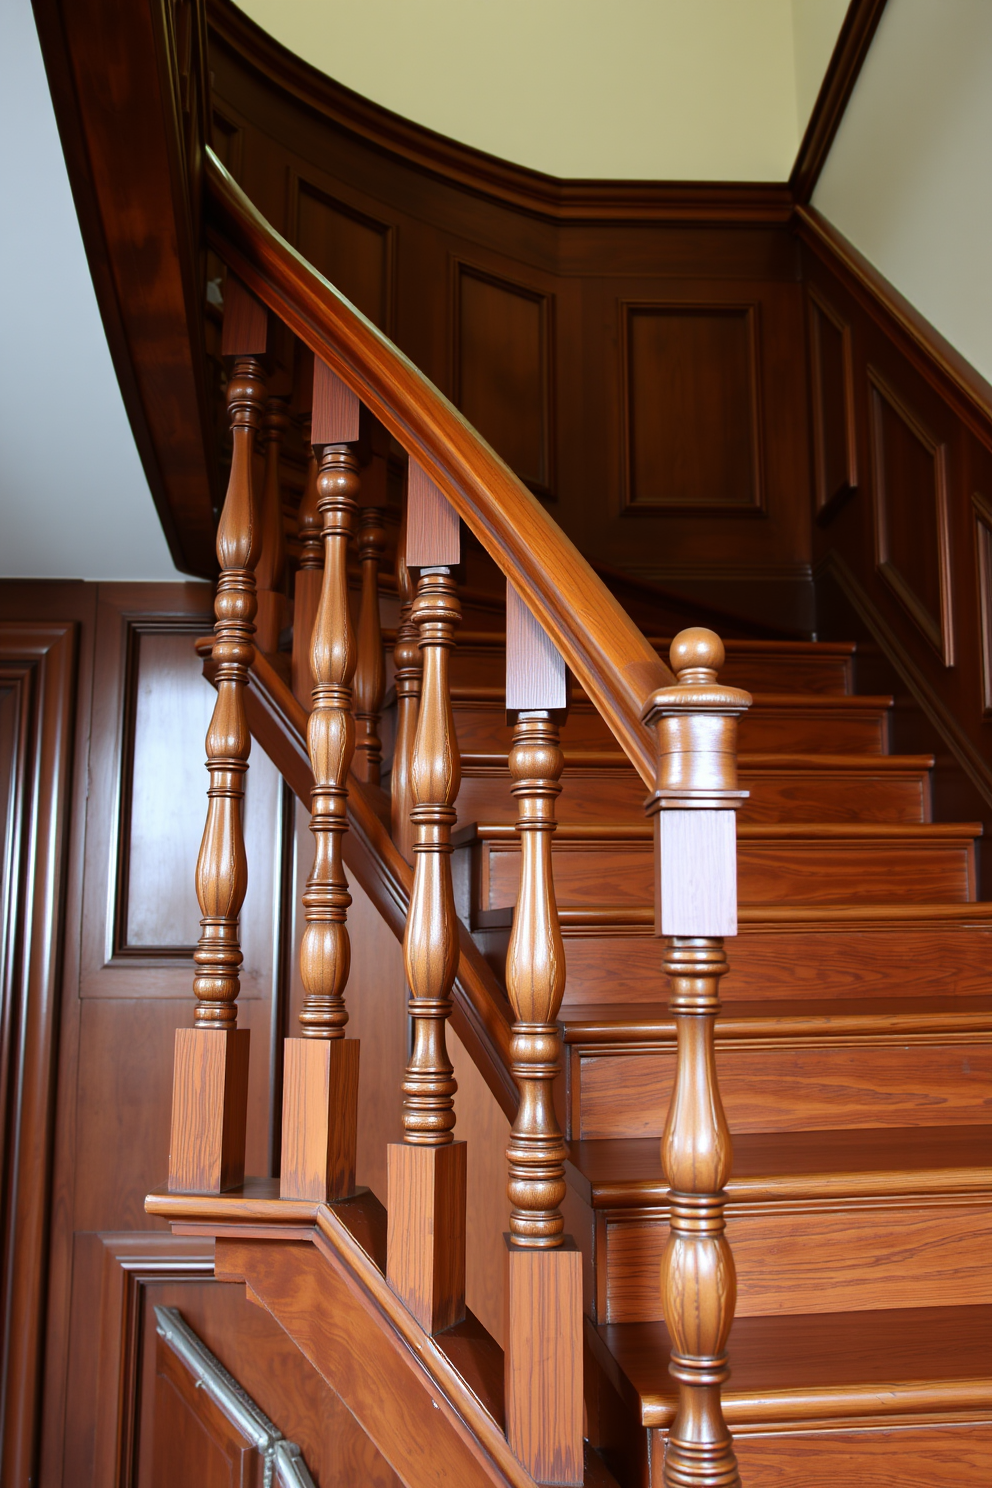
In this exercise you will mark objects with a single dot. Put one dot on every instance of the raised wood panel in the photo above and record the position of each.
(831, 367)
(983, 558)
(504, 370)
(912, 538)
(350, 248)
(797, 1088)
(811, 1258)
(194, 1441)
(691, 408)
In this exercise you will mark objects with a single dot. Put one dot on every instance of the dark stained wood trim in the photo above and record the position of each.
(937, 361)
(854, 39)
(128, 116)
(38, 660)
(485, 175)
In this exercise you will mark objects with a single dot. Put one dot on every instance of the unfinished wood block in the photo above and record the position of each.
(209, 1110)
(542, 1361)
(319, 1119)
(425, 1245)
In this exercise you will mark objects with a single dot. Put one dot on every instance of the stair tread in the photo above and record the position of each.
(625, 1172)
(820, 1365)
(635, 1022)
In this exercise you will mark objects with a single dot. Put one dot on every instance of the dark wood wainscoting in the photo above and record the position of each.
(903, 475)
(103, 712)
(636, 358)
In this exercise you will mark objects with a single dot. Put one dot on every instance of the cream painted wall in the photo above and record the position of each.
(650, 89)
(815, 24)
(909, 179)
(74, 502)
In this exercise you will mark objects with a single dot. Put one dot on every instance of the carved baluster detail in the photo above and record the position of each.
(306, 593)
(694, 807)
(426, 1237)
(211, 1061)
(272, 606)
(406, 677)
(320, 1079)
(543, 1345)
(370, 674)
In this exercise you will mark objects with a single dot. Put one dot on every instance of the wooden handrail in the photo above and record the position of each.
(612, 660)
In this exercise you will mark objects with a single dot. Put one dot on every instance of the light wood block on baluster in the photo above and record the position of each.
(543, 1369)
(319, 1119)
(209, 1110)
(425, 1245)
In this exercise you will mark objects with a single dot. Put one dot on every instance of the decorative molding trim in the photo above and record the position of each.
(828, 503)
(968, 756)
(559, 200)
(853, 41)
(38, 673)
(279, 1457)
(749, 311)
(983, 558)
(936, 360)
(938, 629)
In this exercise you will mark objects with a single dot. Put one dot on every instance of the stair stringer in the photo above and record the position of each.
(329, 1296)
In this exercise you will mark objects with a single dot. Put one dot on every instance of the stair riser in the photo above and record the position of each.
(485, 666)
(792, 1085)
(810, 1257)
(814, 872)
(608, 795)
(902, 961)
(937, 1456)
(482, 729)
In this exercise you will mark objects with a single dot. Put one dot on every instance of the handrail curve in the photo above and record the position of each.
(615, 664)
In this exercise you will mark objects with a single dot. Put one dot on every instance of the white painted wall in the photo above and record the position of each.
(648, 89)
(74, 502)
(815, 24)
(909, 178)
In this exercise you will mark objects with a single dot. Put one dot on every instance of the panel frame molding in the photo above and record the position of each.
(937, 630)
(460, 267)
(982, 508)
(330, 190)
(751, 311)
(829, 503)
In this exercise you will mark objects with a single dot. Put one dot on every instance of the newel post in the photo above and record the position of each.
(543, 1336)
(696, 887)
(425, 1249)
(210, 1081)
(320, 1072)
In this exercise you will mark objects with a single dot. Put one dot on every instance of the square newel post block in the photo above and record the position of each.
(425, 1243)
(319, 1119)
(209, 1110)
(542, 1363)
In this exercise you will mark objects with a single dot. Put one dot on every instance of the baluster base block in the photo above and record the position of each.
(425, 1245)
(209, 1110)
(542, 1362)
(319, 1119)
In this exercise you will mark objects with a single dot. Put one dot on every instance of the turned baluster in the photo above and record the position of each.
(370, 673)
(210, 1089)
(426, 1172)
(406, 679)
(320, 1076)
(694, 811)
(271, 567)
(543, 1346)
(306, 590)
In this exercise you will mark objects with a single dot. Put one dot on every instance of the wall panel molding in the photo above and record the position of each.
(690, 380)
(834, 421)
(355, 251)
(910, 498)
(983, 565)
(503, 362)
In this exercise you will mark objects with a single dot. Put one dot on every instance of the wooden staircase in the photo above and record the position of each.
(853, 1048)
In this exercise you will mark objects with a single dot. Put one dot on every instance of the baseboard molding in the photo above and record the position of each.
(964, 751)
